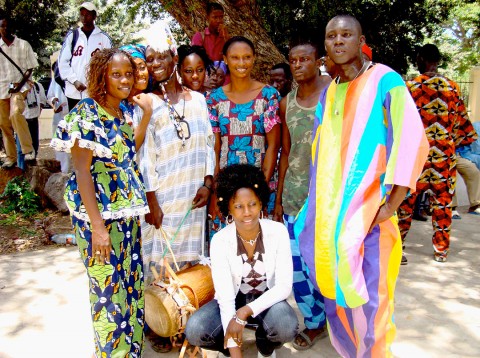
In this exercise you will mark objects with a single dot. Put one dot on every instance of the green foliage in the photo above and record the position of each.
(392, 28)
(18, 197)
(458, 38)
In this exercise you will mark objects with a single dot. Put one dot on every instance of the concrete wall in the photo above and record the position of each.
(45, 124)
(474, 95)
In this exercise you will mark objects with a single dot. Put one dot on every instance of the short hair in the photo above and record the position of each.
(351, 17)
(313, 44)
(238, 176)
(430, 53)
(213, 6)
(97, 72)
(236, 39)
(286, 69)
(187, 50)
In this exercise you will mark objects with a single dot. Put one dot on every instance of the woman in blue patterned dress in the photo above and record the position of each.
(105, 196)
(244, 116)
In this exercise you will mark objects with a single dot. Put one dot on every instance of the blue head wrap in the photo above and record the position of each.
(220, 64)
(137, 50)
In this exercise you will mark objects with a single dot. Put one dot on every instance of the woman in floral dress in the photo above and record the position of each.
(244, 117)
(105, 196)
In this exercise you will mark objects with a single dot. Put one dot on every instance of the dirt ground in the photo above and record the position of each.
(19, 234)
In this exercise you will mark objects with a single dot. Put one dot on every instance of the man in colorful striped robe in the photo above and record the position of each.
(368, 150)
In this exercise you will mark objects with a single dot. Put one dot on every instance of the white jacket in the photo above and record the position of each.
(83, 51)
(227, 268)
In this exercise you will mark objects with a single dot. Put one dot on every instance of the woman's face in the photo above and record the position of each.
(245, 207)
(119, 77)
(141, 76)
(239, 59)
(192, 71)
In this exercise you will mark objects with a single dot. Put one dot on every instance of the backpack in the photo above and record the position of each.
(56, 71)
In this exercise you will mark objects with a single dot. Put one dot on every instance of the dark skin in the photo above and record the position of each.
(240, 59)
(161, 66)
(8, 38)
(343, 43)
(119, 82)
(304, 64)
(87, 19)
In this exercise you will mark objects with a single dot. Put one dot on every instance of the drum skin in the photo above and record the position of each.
(161, 312)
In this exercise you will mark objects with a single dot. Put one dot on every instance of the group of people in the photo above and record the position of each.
(181, 144)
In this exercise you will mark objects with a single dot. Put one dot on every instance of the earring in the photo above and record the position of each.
(261, 214)
(229, 219)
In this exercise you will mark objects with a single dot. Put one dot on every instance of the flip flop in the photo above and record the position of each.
(306, 338)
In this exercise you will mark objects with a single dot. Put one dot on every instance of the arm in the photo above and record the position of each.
(387, 210)
(64, 63)
(283, 163)
(155, 216)
(144, 101)
(271, 155)
(223, 281)
(82, 160)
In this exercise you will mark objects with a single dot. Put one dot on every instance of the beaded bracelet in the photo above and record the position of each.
(239, 320)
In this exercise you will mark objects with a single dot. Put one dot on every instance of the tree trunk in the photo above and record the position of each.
(241, 18)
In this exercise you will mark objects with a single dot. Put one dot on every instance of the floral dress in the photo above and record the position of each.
(116, 287)
(243, 128)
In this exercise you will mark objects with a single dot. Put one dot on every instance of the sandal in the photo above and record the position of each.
(304, 336)
(160, 344)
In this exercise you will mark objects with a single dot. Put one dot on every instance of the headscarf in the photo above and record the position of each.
(220, 64)
(160, 38)
(135, 50)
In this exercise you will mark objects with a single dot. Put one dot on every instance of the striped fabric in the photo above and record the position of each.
(175, 173)
(367, 137)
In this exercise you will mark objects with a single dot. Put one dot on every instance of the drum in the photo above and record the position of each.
(167, 308)
(198, 278)
(170, 302)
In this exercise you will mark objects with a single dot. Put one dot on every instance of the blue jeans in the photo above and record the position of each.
(276, 325)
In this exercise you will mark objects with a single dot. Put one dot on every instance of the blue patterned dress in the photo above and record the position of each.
(116, 288)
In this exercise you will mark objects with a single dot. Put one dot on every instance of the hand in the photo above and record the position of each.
(79, 86)
(101, 244)
(155, 216)
(234, 331)
(213, 210)
(278, 213)
(201, 199)
(58, 109)
(223, 31)
(144, 101)
(384, 213)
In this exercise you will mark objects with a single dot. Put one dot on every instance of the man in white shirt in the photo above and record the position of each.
(13, 90)
(79, 46)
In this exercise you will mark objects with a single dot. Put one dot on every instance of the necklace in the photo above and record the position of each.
(117, 111)
(176, 119)
(250, 242)
(365, 67)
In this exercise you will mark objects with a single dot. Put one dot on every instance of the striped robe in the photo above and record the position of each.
(367, 137)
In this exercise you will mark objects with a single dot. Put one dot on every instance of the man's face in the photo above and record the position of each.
(343, 40)
(215, 19)
(5, 28)
(87, 17)
(279, 81)
(303, 64)
(160, 64)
